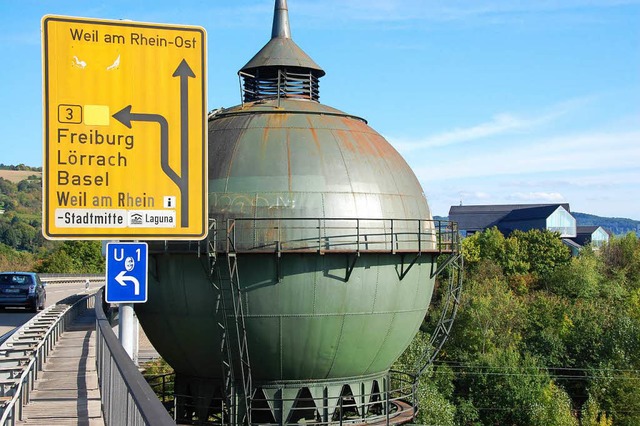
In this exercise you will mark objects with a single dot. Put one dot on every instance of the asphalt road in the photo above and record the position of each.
(11, 318)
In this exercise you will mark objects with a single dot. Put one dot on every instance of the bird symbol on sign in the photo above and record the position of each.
(78, 63)
(115, 64)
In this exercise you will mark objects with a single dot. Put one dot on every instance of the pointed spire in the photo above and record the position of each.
(280, 69)
(281, 28)
(281, 51)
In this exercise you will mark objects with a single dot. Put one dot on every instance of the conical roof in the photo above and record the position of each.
(281, 51)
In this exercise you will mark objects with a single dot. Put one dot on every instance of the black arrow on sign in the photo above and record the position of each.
(184, 71)
(125, 116)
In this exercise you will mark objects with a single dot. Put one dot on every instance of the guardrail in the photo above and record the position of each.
(72, 278)
(334, 235)
(20, 395)
(127, 398)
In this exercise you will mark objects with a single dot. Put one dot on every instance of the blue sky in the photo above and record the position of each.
(490, 101)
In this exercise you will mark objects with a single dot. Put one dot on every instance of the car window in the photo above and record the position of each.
(15, 279)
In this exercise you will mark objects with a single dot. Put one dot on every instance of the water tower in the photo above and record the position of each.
(318, 269)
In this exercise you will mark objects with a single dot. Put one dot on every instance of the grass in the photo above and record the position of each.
(16, 176)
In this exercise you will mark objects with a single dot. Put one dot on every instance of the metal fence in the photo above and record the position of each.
(127, 399)
(392, 400)
(18, 396)
(335, 235)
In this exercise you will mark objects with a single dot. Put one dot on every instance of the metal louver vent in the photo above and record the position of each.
(281, 84)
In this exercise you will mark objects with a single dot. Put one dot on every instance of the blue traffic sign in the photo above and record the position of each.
(126, 273)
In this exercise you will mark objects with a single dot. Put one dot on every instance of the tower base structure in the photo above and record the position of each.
(381, 399)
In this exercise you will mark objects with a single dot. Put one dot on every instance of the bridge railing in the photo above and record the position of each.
(127, 399)
(11, 409)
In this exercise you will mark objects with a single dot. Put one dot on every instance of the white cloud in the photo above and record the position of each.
(498, 125)
(598, 151)
(552, 197)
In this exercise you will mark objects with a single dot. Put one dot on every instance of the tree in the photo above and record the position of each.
(13, 260)
(75, 257)
(622, 258)
(433, 390)
(490, 315)
(580, 278)
(592, 414)
(547, 325)
(543, 250)
(618, 394)
(555, 408)
(509, 389)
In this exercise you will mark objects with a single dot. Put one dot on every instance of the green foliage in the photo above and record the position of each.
(540, 336)
(592, 414)
(578, 279)
(490, 316)
(554, 409)
(542, 250)
(156, 367)
(508, 388)
(434, 389)
(622, 258)
(20, 225)
(159, 374)
(74, 257)
(547, 325)
(618, 394)
(526, 258)
(12, 260)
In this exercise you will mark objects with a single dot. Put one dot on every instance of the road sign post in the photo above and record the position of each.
(127, 275)
(125, 130)
(128, 329)
(126, 284)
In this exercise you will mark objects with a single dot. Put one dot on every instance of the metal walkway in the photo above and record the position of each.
(66, 391)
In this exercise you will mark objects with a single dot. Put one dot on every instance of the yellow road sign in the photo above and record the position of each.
(125, 137)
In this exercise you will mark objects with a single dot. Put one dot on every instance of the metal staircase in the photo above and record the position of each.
(234, 348)
(453, 264)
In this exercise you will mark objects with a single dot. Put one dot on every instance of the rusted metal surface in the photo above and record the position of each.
(333, 244)
(306, 160)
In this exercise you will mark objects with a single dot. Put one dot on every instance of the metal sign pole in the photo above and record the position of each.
(127, 282)
(126, 328)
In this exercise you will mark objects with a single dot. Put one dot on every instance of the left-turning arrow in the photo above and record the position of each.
(122, 279)
(125, 116)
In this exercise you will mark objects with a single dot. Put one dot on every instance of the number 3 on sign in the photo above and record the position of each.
(70, 114)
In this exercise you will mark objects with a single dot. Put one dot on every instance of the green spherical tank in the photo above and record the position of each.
(302, 160)
(326, 234)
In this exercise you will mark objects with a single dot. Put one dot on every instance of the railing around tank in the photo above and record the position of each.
(335, 235)
(127, 399)
(393, 403)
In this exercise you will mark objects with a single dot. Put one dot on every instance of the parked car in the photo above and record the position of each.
(22, 289)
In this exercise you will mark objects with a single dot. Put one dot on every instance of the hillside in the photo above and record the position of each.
(19, 173)
(615, 225)
(21, 209)
(16, 176)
